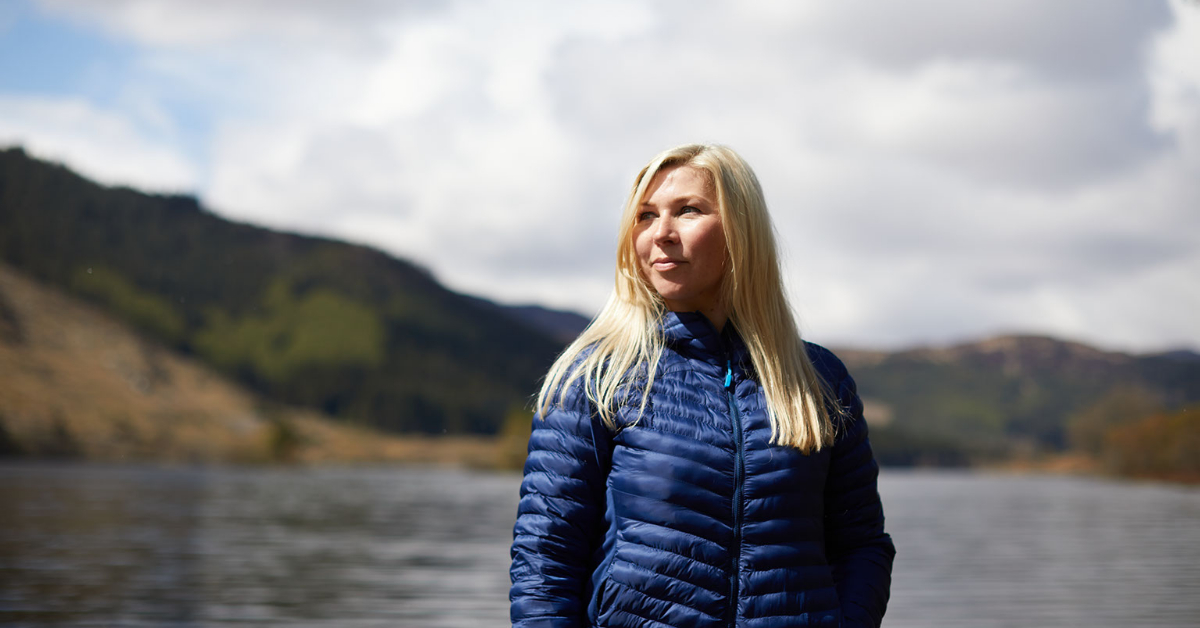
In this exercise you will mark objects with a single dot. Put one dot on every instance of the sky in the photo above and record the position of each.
(938, 171)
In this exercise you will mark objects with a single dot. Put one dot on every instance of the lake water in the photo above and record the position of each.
(87, 545)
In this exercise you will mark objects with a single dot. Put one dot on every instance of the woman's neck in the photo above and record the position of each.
(717, 315)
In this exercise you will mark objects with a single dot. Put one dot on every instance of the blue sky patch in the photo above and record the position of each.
(54, 57)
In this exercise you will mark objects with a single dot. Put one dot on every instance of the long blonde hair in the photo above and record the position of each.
(627, 331)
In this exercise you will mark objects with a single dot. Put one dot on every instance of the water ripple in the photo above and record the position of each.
(86, 545)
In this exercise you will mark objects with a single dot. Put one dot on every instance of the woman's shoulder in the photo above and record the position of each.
(828, 365)
(841, 387)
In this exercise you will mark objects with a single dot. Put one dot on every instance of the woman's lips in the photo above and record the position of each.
(664, 263)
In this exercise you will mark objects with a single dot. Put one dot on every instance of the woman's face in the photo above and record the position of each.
(679, 241)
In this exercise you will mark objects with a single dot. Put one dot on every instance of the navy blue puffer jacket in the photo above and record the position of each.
(690, 517)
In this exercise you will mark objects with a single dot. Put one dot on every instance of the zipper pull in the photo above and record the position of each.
(728, 373)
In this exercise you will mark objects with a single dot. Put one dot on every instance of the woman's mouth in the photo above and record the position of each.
(665, 263)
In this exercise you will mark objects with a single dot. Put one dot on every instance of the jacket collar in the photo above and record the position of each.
(692, 335)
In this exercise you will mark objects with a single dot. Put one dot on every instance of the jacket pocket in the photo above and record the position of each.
(593, 609)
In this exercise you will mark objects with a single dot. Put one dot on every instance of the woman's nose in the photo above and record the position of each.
(664, 230)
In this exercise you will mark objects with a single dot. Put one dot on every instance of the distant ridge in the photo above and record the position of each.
(1181, 355)
(992, 397)
(1012, 352)
(562, 325)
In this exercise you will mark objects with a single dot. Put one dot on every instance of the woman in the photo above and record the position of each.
(693, 462)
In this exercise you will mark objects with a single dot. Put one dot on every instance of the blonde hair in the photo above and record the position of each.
(627, 331)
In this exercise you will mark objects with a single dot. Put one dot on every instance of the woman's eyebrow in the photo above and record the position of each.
(682, 201)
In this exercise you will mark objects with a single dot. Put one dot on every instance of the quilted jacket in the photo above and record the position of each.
(690, 517)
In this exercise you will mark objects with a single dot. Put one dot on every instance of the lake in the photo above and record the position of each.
(94, 545)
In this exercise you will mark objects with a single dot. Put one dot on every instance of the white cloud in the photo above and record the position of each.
(1174, 78)
(937, 169)
(1067, 40)
(103, 145)
(445, 150)
(996, 124)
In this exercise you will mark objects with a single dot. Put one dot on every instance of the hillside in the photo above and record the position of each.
(78, 384)
(343, 329)
(1006, 396)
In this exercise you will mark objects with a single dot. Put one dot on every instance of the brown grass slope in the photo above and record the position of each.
(76, 383)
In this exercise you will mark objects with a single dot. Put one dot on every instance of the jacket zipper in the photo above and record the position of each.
(739, 473)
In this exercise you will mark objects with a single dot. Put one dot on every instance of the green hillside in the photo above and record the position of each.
(344, 329)
(1010, 395)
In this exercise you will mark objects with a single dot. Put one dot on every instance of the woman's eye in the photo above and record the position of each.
(688, 209)
(645, 216)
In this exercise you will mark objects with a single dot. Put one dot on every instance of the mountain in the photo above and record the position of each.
(79, 384)
(1005, 395)
(343, 329)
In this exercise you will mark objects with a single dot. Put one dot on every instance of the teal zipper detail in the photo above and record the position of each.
(739, 477)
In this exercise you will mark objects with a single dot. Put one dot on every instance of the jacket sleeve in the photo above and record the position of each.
(858, 549)
(558, 518)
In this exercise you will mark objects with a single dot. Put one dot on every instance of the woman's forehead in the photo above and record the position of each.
(679, 175)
